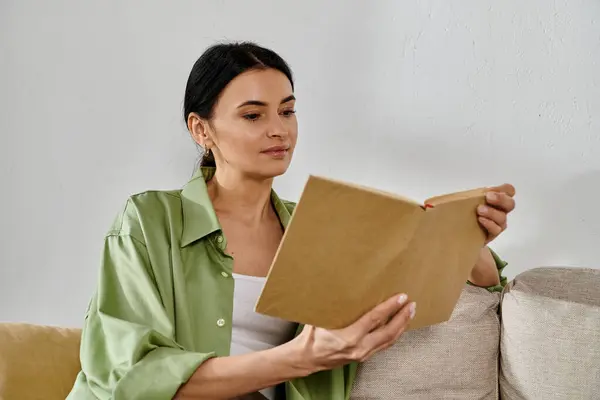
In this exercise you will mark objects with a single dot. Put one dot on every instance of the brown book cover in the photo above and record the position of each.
(348, 248)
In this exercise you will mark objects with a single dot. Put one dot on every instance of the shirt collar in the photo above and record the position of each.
(199, 216)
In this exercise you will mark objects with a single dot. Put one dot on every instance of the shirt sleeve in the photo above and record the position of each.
(500, 265)
(128, 350)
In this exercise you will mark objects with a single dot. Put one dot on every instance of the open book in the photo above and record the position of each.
(348, 248)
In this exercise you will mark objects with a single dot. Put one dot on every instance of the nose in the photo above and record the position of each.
(277, 127)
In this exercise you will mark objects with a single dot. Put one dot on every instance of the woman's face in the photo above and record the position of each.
(254, 128)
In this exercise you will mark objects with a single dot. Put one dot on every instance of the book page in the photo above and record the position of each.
(457, 196)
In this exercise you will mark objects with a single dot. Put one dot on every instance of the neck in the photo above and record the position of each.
(246, 199)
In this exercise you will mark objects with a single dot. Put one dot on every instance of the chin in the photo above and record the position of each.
(272, 171)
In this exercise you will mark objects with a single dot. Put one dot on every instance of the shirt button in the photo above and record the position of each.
(220, 239)
(224, 274)
(220, 322)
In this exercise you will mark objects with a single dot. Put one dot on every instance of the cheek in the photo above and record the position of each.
(292, 128)
(242, 141)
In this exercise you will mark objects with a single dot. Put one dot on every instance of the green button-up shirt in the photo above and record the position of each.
(164, 301)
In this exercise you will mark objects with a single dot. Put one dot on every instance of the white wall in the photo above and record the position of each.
(418, 97)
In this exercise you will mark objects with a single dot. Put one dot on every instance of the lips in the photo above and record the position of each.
(276, 151)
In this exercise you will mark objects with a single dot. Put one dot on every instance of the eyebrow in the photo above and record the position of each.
(263, 104)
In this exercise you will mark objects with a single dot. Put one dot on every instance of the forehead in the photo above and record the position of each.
(268, 85)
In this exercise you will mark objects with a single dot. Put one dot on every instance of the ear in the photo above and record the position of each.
(200, 130)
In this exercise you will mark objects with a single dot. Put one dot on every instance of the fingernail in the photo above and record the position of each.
(413, 310)
(402, 298)
(491, 196)
(482, 209)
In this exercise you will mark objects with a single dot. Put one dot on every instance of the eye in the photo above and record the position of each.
(252, 117)
(288, 113)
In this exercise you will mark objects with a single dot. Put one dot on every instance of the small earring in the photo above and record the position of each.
(206, 152)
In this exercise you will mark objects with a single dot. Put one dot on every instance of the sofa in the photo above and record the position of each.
(538, 339)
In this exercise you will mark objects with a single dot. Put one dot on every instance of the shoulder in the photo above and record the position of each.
(146, 211)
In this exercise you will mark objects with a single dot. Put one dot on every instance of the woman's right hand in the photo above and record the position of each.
(378, 329)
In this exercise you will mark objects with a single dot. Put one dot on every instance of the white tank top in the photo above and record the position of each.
(252, 331)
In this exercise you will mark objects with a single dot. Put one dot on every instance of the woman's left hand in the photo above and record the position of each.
(493, 216)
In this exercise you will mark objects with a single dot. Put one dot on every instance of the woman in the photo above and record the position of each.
(166, 321)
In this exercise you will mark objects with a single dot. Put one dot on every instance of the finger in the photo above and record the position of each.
(490, 226)
(387, 339)
(377, 316)
(500, 200)
(387, 334)
(506, 188)
(497, 216)
(386, 345)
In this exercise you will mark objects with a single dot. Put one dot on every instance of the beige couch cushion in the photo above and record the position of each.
(37, 362)
(550, 341)
(457, 359)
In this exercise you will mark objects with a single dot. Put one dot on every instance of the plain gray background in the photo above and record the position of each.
(416, 97)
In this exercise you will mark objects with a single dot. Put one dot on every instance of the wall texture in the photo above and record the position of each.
(417, 97)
